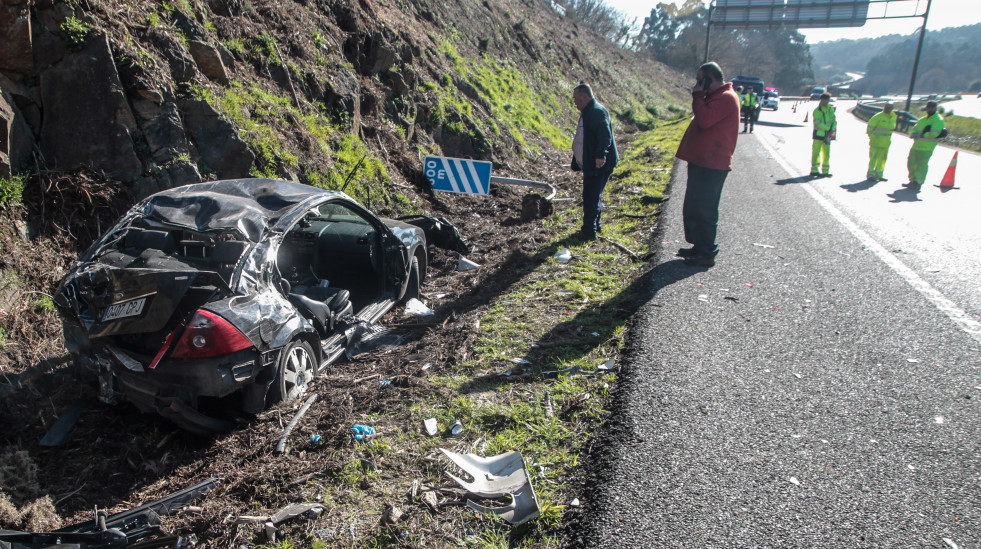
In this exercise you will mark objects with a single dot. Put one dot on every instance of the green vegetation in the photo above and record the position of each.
(3, 338)
(11, 191)
(265, 117)
(514, 103)
(76, 32)
(44, 305)
(557, 316)
(965, 132)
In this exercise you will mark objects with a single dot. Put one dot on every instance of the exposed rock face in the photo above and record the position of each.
(165, 134)
(6, 119)
(182, 67)
(20, 137)
(216, 140)
(87, 121)
(209, 61)
(173, 175)
(15, 30)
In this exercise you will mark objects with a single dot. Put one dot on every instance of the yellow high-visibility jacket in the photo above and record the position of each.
(824, 121)
(880, 129)
(927, 141)
(749, 99)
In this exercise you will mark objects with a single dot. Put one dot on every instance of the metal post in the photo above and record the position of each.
(916, 62)
(708, 30)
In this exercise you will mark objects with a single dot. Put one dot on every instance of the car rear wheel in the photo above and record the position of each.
(412, 287)
(294, 373)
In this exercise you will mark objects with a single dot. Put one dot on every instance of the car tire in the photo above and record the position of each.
(414, 284)
(295, 369)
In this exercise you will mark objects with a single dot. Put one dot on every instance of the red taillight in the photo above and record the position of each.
(209, 335)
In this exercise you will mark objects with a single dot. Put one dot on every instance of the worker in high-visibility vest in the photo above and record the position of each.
(926, 133)
(880, 129)
(748, 107)
(824, 127)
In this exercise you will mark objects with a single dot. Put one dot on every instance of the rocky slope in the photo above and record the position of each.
(158, 94)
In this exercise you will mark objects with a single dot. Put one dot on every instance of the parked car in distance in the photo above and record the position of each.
(216, 299)
(771, 100)
(817, 91)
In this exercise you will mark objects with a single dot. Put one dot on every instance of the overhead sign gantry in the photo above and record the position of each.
(815, 14)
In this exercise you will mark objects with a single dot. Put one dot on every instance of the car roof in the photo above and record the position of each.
(248, 206)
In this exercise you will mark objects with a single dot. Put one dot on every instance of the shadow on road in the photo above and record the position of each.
(589, 328)
(779, 124)
(904, 195)
(793, 180)
(860, 186)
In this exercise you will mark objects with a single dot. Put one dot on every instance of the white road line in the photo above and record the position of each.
(961, 318)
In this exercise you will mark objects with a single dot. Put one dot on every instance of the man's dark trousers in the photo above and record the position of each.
(592, 188)
(701, 208)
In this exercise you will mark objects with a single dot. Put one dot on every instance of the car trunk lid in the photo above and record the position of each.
(109, 301)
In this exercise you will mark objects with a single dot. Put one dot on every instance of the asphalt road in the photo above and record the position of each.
(818, 387)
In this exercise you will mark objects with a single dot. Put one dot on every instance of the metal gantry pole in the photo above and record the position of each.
(916, 61)
(708, 30)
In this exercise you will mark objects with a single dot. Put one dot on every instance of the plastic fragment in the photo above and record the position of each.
(763, 245)
(456, 428)
(574, 503)
(315, 439)
(794, 481)
(703, 297)
(431, 426)
(414, 307)
(384, 382)
(520, 361)
(563, 255)
(912, 360)
(747, 284)
(498, 477)
(607, 366)
(951, 543)
(939, 420)
(464, 264)
(362, 432)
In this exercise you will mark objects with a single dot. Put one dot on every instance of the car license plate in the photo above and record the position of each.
(123, 310)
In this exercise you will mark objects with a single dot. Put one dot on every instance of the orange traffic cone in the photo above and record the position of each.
(947, 182)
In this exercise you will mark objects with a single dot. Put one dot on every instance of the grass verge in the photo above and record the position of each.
(557, 316)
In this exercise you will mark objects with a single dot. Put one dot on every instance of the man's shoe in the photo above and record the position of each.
(700, 261)
(880, 178)
(815, 174)
(585, 237)
(686, 252)
(826, 175)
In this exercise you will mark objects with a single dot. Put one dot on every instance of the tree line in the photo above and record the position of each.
(675, 36)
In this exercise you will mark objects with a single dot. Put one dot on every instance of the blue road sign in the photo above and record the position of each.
(457, 175)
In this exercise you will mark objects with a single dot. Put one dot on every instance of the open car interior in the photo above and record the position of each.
(329, 263)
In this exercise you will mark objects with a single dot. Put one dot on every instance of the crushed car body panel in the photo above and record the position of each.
(196, 292)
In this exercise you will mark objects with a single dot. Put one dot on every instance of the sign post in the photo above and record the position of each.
(458, 175)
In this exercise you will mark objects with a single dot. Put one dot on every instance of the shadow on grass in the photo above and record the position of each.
(583, 332)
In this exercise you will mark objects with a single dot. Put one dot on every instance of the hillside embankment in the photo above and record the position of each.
(104, 103)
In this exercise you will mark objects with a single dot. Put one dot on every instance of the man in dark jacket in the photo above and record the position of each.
(707, 146)
(594, 151)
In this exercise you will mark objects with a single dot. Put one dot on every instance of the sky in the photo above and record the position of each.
(943, 13)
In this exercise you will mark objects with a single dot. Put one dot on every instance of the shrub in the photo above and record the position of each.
(11, 191)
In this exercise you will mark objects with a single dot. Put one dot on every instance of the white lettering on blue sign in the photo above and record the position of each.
(457, 175)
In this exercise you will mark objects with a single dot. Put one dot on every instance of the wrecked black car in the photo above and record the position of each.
(239, 290)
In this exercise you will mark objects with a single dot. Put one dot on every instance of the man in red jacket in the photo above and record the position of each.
(707, 146)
